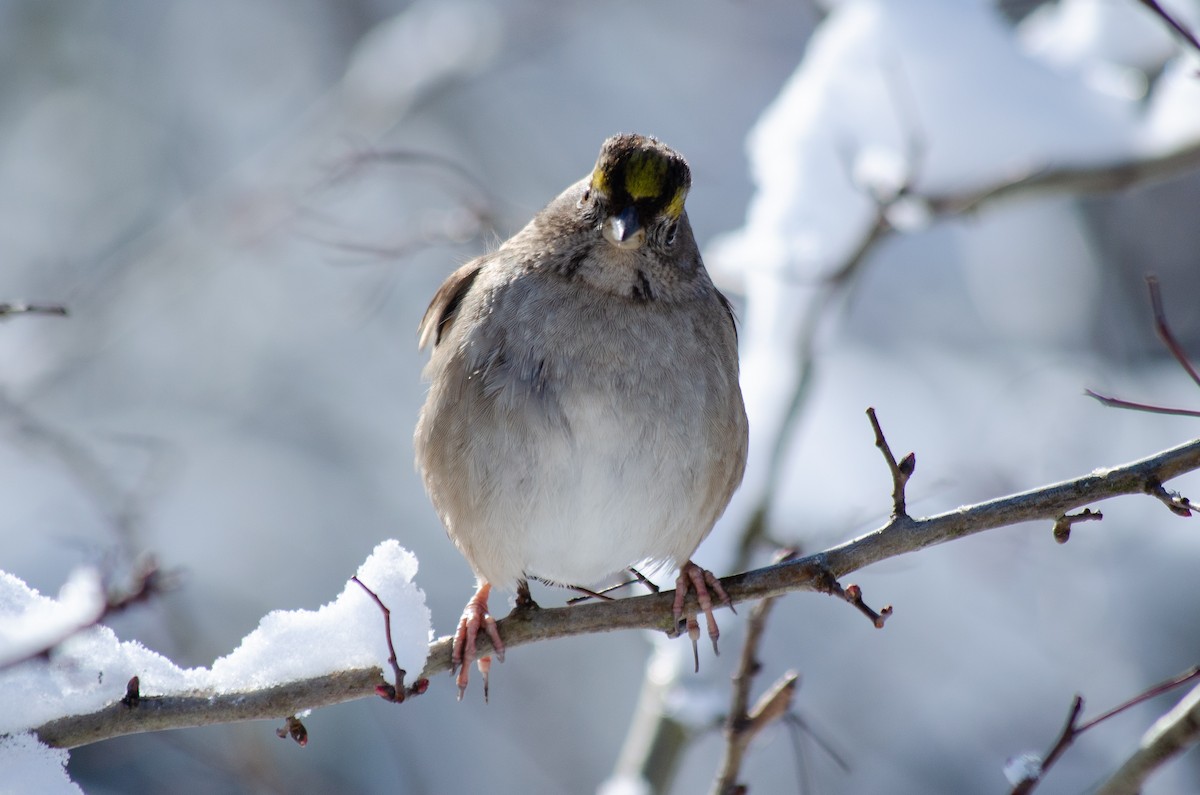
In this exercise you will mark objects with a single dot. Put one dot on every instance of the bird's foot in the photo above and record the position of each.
(474, 618)
(524, 602)
(692, 577)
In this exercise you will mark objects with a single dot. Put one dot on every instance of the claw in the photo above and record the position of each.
(485, 668)
(692, 577)
(693, 631)
(475, 617)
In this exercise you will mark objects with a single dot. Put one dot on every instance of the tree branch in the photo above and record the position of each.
(1173, 734)
(817, 572)
(744, 723)
(1181, 737)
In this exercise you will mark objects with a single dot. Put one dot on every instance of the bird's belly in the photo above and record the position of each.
(621, 489)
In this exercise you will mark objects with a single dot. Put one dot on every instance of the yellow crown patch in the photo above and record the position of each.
(644, 174)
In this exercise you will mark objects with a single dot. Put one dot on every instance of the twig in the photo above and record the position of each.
(395, 692)
(853, 595)
(901, 471)
(1074, 728)
(1065, 738)
(10, 308)
(1176, 503)
(1071, 180)
(1117, 403)
(743, 724)
(1163, 329)
(477, 201)
(1189, 675)
(809, 573)
(1064, 523)
(1175, 25)
(147, 582)
(1171, 735)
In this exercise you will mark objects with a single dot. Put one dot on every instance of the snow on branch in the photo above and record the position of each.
(818, 572)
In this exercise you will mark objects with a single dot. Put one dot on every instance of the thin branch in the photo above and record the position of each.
(1105, 178)
(1176, 503)
(901, 471)
(394, 691)
(1118, 403)
(147, 582)
(899, 536)
(1173, 23)
(1170, 736)
(1074, 728)
(1163, 328)
(1065, 738)
(1190, 675)
(11, 308)
(1047, 180)
(1064, 523)
(742, 725)
(476, 199)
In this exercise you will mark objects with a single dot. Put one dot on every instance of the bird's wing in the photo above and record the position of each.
(445, 303)
(724, 303)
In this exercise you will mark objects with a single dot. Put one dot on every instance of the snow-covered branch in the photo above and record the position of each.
(818, 572)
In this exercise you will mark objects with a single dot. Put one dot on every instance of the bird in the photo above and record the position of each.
(584, 413)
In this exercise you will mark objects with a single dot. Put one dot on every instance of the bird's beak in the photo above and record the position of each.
(624, 230)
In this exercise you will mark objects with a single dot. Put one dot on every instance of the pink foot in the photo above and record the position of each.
(692, 577)
(475, 617)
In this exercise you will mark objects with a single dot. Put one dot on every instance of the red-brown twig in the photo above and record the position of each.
(1163, 328)
(1173, 23)
(392, 692)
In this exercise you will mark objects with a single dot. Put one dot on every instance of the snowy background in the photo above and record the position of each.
(236, 386)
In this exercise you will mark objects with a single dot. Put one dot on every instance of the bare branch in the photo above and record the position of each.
(743, 724)
(1065, 738)
(394, 691)
(1173, 23)
(1045, 180)
(1071, 180)
(899, 536)
(11, 308)
(1074, 728)
(1170, 736)
(1163, 328)
(901, 471)
(1117, 403)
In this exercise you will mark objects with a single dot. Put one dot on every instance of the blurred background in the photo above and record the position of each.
(247, 205)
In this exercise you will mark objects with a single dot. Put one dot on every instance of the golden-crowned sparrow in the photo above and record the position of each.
(584, 413)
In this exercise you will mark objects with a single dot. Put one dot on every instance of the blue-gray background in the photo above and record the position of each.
(236, 385)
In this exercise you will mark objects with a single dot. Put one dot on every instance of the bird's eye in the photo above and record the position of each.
(669, 235)
(587, 193)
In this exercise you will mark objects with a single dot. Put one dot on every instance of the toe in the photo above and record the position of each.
(700, 580)
(475, 617)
